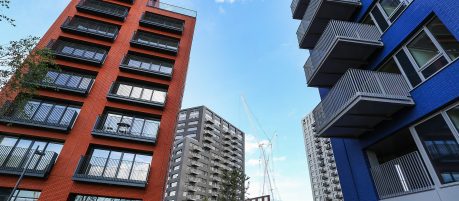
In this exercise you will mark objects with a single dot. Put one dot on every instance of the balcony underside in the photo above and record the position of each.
(34, 124)
(344, 54)
(299, 10)
(18, 171)
(328, 10)
(111, 181)
(363, 113)
(124, 137)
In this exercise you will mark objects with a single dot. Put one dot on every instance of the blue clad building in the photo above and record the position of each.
(388, 77)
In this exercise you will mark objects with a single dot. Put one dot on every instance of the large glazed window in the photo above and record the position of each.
(132, 125)
(422, 49)
(68, 80)
(91, 26)
(385, 12)
(79, 50)
(118, 164)
(14, 152)
(444, 37)
(441, 146)
(140, 93)
(148, 64)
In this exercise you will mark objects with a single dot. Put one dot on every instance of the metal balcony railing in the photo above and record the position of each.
(148, 65)
(13, 161)
(138, 129)
(172, 8)
(162, 22)
(78, 51)
(112, 171)
(12, 113)
(103, 8)
(67, 81)
(155, 42)
(340, 30)
(401, 176)
(84, 26)
(356, 85)
(317, 15)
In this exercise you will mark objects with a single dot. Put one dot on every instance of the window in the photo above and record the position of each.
(95, 198)
(178, 152)
(172, 193)
(16, 151)
(176, 167)
(441, 146)
(427, 52)
(92, 26)
(192, 129)
(140, 93)
(155, 40)
(178, 137)
(178, 159)
(79, 50)
(68, 80)
(181, 125)
(191, 135)
(148, 64)
(174, 176)
(194, 114)
(118, 164)
(385, 12)
(193, 123)
(131, 125)
(23, 195)
(173, 184)
(47, 112)
(182, 116)
(180, 130)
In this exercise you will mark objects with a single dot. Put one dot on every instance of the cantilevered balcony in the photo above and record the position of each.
(78, 51)
(69, 82)
(171, 8)
(126, 128)
(161, 22)
(92, 28)
(342, 46)
(112, 171)
(147, 65)
(298, 8)
(317, 16)
(156, 42)
(14, 159)
(39, 114)
(102, 8)
(359, 101)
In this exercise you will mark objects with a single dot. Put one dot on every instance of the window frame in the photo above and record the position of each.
(384, 14)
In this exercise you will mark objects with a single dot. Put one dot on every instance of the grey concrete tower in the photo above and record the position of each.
(205, 146)
(322, 167)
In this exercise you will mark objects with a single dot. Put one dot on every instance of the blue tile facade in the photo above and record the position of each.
(434, 94)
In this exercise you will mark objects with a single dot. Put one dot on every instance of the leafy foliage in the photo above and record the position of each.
(3, 17)
(22, 67)
(233, 186)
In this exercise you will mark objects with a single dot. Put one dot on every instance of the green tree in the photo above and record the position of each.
(23, 67)
(233, 186)
(3, 17)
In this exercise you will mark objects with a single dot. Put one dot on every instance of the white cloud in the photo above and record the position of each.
(281, 158)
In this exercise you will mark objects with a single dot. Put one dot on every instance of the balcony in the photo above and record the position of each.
(147, 65)
(359, 101)
(68, 82)
(343, 45)
(298, 8)
(92, 28)
(162, 22)
(172, 8)
(126, 128)
(13, 162)
(79, 52)
(112, 171)
(317, 16)
(401, 176)
(104, 9)
(39, 115)
(125, 92)
(155, 42)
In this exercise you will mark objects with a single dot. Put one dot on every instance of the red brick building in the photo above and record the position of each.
(105, 120)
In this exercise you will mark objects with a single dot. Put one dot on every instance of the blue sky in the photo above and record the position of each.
(241, 47)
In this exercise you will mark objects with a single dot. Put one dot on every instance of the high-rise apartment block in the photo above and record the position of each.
(386, 72)
(206, 145)
(105, 119)
(322, 167)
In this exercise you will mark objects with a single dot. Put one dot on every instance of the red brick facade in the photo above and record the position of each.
(59, 184)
